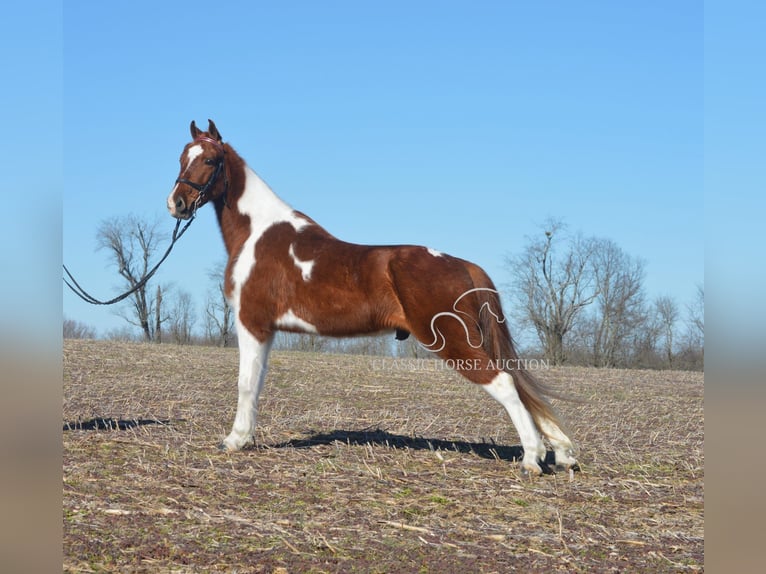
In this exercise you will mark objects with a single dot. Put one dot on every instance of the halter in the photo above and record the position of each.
(202, 188)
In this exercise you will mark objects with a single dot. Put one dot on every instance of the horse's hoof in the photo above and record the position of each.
(574, 467)
(531, 470)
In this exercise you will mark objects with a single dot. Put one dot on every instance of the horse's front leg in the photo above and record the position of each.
(253, 357)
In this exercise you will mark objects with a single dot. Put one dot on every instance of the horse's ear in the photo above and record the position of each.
(195, 131)
(213, 131)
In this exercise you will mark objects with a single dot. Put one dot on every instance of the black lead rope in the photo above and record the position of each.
(87, 297)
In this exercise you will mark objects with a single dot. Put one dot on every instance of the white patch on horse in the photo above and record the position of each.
(304, 266)
(264, 209)
(290, 320)
(504, 391)
(435, 253)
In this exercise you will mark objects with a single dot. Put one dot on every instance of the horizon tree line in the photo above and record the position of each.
(579, 300)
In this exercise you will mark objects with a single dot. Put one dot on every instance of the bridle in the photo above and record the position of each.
(203, 188)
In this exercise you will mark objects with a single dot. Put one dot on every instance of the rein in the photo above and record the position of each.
(202, 190)
(88, 298)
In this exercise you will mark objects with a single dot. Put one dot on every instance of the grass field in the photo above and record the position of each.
(360, 467)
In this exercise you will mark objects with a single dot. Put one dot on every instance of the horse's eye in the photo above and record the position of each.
(210, 161)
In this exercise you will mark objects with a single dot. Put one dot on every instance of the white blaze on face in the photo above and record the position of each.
(191, 154)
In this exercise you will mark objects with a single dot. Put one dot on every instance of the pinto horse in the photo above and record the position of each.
(285, 272)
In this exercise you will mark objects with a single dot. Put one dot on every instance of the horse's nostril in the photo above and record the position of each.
(180, 205)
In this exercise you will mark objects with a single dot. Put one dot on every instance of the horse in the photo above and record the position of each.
(285, 272)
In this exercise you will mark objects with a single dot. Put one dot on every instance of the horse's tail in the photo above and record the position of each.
(498, 344)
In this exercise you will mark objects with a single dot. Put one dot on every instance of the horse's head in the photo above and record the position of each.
(203, 173)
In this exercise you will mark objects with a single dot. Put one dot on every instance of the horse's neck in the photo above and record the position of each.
(258, 201)
(251, 204)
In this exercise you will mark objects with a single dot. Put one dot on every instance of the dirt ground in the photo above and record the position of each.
(364, 466)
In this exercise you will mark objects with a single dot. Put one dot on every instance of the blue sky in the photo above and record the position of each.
(457, 125)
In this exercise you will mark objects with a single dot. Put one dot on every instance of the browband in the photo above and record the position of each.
(211, 140)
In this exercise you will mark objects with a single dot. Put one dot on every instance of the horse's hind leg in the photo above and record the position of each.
(502, 389)
(458, 343)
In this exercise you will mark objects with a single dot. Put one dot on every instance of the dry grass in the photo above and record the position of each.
(361, 469)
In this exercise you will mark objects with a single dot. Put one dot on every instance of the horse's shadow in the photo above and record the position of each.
(378, 437)
(112, 424)
(367, 437)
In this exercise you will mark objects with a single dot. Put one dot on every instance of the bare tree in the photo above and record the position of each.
(696, 313)
(308, 342)
(554, 283)
(373, 345)
(158, 315)
(667, 315)
(131, 243)
(410, 348)
(646, 341)
(219, 316)
(182, 318)
(693, 344)
(619, 305)
(78, 330)
(124, 333)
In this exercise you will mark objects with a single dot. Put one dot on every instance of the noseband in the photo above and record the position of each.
(203, 188)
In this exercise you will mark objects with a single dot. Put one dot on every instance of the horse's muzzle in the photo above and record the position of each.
(178, 208)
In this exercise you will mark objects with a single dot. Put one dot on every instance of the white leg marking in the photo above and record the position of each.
(304, 266)
(503, 391)
(562, 446)
(253, 356)
(290, 320)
